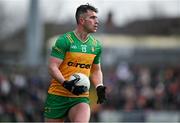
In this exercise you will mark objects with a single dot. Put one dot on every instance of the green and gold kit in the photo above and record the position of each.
(77, 57)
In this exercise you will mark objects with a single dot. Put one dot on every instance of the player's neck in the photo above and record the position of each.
(81, 35)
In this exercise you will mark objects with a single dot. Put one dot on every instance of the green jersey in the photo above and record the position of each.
(78, 57)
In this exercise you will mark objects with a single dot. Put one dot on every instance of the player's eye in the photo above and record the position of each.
(93, 17)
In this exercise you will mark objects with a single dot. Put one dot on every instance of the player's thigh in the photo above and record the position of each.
(79, 113)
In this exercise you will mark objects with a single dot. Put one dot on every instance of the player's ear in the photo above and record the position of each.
(81, 20)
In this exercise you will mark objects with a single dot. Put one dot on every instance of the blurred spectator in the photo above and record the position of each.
(123, 72)
(19, 81)
(4, 85)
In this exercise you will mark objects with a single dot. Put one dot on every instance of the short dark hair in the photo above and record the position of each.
(83, 9)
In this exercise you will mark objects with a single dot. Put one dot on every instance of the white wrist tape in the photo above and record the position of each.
(99, 85)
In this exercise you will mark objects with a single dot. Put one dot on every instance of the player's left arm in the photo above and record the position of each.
(97, 79)
(96, 75)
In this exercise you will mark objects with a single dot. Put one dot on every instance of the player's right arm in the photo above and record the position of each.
(54, 71)
(57, 56)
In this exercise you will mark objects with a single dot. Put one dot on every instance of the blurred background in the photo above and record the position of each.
(140, 60)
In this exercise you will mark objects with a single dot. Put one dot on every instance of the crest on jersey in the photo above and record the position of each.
(92, 49)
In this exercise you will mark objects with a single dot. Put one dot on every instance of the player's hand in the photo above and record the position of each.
(79, 90)
(70, 85)
(101, 91)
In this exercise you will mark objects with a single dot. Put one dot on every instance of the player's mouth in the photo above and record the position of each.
(96, 27)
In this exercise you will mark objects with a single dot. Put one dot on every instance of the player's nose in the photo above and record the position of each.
(97, 22)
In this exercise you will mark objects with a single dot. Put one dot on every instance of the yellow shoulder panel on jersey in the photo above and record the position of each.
(70, 39)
